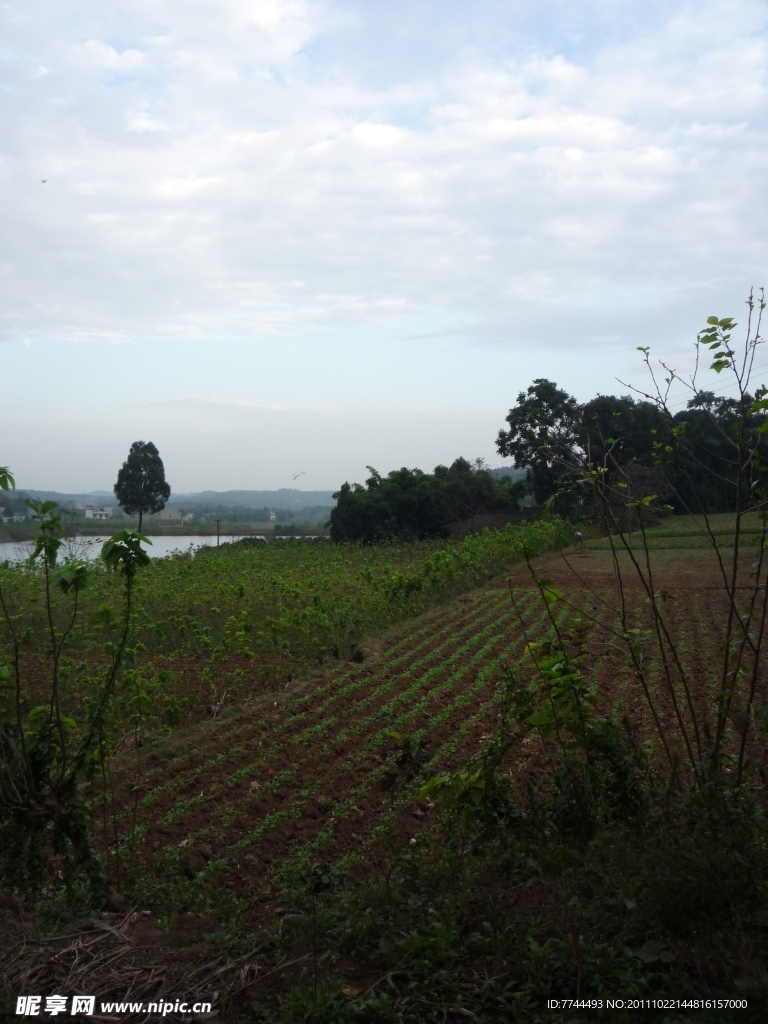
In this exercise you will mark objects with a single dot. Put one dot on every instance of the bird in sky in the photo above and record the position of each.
(301, 472)
(43, 181)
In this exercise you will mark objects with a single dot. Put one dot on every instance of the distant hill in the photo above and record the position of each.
(73, 500)
(287, 497)
(289, 504)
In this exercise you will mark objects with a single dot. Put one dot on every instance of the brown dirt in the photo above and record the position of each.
(315, 764)
(311, 765)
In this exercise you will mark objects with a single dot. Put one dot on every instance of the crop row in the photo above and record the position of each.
(333, 691)
(300, 600)
(267, 755)
(461, 700)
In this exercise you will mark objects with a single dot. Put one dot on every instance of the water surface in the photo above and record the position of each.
(90, 547)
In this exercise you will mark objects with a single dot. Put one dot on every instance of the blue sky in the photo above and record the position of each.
(283, 235)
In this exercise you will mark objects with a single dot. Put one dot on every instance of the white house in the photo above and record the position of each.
(273, 517)
(91, 512)
(168, 515)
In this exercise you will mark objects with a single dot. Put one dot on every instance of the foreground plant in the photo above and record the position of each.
(719, 446)
(44, 757)
(672, 819)
(599, 773)
(741, 463)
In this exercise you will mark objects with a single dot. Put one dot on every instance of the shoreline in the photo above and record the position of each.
(20, 532)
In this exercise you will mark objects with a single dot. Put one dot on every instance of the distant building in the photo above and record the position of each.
(91, 512)
(168, 515)
(273, 517)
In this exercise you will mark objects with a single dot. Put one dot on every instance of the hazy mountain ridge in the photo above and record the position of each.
(88, 498)
(286, 497)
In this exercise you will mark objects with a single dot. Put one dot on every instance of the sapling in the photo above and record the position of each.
(44, 760)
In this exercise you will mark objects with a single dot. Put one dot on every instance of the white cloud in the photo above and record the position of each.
(230, 170)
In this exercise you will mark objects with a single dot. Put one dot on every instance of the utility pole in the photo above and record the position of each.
(217, 533)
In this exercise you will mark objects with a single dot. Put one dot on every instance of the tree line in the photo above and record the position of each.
(688, 459)
(409, 504)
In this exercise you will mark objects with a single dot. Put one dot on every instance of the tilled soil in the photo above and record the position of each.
(332, 766)
(328, 766)
(319, 767)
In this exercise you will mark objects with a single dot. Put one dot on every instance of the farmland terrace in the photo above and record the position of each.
(210, 827)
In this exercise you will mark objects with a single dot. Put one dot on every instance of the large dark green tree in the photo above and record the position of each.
(141, 485)
(685, 458)
(408, 504)
(625, 427)
(543, 434)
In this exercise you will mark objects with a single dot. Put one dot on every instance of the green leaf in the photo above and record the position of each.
(42, 508)
(720, 364)
(73, 577)
(103, 617)
(435, 784)
(539, 718)
(124, 553)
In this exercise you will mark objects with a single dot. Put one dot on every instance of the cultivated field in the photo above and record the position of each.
(327, 766)
(305, 756)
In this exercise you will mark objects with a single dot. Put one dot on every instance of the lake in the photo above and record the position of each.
(90, 547)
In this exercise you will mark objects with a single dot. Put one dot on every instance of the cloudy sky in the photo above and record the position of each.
(283, 235)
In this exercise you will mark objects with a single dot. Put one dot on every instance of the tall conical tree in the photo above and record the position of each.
(141, 485)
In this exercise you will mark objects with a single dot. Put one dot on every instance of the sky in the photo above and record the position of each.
(307, 236)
